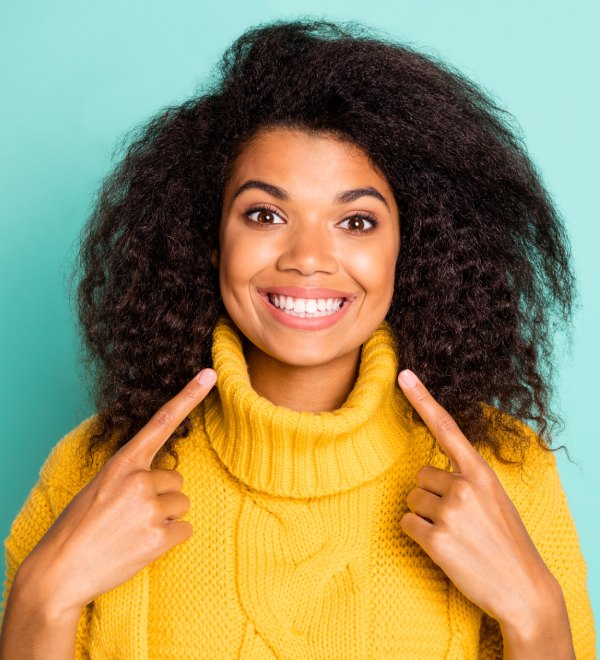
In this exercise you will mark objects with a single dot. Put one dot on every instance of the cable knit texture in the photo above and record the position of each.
(297, 551)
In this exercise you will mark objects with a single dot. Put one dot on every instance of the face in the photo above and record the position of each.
(307, 218)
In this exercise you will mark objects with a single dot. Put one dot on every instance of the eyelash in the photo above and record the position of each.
(265, 207)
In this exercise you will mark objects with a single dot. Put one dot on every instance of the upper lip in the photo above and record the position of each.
(303, 292)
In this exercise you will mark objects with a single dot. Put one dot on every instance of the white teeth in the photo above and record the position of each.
(306, 307)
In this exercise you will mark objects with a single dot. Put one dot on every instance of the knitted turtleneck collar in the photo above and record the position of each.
(283, 452)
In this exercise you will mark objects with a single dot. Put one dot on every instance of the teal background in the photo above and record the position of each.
(76, 75)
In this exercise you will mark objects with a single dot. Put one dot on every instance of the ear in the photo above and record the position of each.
(214, 257)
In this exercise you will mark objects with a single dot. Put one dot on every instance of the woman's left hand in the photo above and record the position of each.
(467, 524)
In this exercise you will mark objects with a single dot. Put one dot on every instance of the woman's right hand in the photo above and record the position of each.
(122, 520)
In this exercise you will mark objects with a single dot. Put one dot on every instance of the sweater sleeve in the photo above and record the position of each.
(542, 504)
(60, 479)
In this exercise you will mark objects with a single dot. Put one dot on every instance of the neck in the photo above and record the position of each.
(298, 453)
(319, 388)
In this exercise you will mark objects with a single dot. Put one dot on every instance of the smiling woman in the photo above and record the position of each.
(336, 214)
(288, 243)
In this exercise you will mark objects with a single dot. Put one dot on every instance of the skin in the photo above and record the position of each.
(307, 241)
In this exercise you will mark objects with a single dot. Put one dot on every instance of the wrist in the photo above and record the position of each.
(525, 611)
(35, 592)
(543, 633)
(34, 626)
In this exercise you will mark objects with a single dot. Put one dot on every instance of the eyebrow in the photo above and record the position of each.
(344, 197)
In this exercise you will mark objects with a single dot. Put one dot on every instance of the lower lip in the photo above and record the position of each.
(315, 323)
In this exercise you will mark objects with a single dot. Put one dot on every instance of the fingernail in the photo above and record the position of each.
(206, 377)
(408, 378)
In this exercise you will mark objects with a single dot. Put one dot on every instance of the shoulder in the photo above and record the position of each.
(63, 474)
(68, 467)
(518, 443)
(532, 481)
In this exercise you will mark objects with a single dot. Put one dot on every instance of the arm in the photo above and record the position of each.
(503, 536)
(567, 622)
(33, 627)
(550, 638)
(545, 636)
(69, 520)
(24, 618)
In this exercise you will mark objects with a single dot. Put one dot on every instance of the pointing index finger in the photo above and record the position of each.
(459, 450)
(144, 445)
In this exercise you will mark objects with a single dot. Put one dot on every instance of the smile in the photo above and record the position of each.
(306, 313)
(306, 307)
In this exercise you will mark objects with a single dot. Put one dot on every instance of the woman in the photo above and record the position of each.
(334, 215)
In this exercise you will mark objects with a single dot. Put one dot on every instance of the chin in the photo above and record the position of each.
(304, 360)
(300, 353)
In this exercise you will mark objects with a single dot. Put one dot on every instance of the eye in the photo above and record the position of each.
(360, 219)
(265, 215)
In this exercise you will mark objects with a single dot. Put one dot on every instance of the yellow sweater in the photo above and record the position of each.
(297, 551)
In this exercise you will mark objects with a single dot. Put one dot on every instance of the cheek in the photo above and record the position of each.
(373, 268)
(232, 266)
(243, 256)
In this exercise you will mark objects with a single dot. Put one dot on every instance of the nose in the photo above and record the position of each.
(308, 250)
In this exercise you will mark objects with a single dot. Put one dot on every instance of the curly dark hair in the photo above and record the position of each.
(483, 278)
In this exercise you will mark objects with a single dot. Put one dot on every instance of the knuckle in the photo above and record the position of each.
(192, 390)
(447, 515)
(113, 467)
(422, 394)
(178, 479)
(155, 539)
(437, 540)
(121, 462)
(103, 493)
(163, 416)
(178, 532)
(489, 478)
(188, 529)
(461, 490)
(423, 473)
(108, 481)
(406, 520)
(181, 503)
(446, 423)
(138, 482)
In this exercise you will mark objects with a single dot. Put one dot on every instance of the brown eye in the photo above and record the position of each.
(356, 224)
(264, 216)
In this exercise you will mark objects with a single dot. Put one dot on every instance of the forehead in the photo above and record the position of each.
(296, 154)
